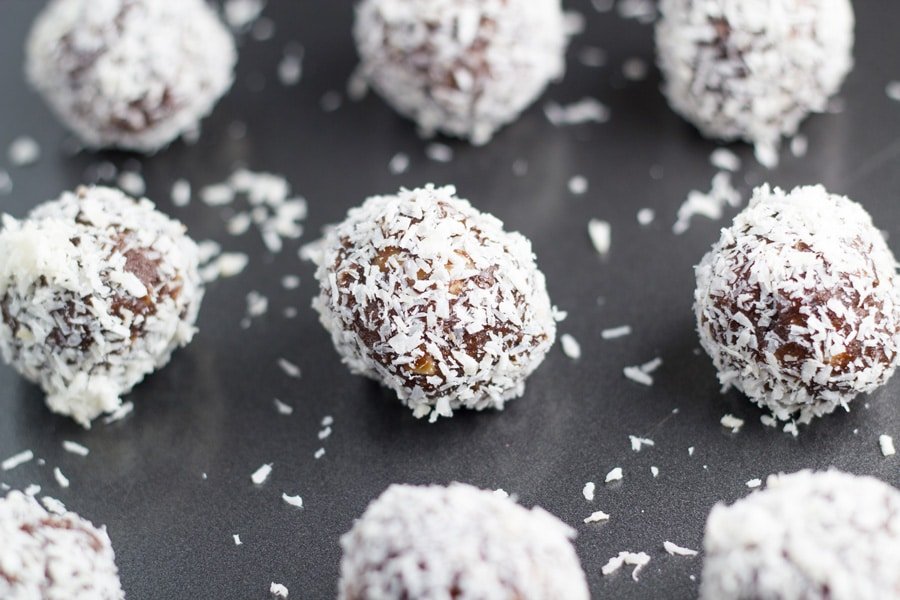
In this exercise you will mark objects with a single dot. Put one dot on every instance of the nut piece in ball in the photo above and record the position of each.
(433, 299)
(797, 303)
(460, 67)
(808, 536)
(96, 291)
(458, 542)
(130, 74)
(45, 555)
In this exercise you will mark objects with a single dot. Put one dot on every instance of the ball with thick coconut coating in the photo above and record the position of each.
(460, 67)
(130, 74)
(797, 303)
(458, 542)
(432, 298)
(50, 556)
(96, 291)
(753, 69)
(808, 536)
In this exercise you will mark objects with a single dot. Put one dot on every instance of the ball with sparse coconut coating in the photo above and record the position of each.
(797, 303)
(130, 74)
(53, 556)
(753, 69)
(97, 290)
(460, 67)
(432, 298)
(808, 536)
(458, 542)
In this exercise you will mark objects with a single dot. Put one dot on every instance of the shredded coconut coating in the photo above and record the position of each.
(461, 67)
(459, 542)
(96, 291)
(131, 74)
(797, 303)
(809, 536)
(753, 69)
(45, 556)
(432, 298)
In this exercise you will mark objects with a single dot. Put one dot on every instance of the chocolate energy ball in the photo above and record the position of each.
(751, 70)
(808, 536)
(797, 303)
(435, 300)
(48, 556)
(458, 542)
(131, 74)
(460, 67)
(96, 291)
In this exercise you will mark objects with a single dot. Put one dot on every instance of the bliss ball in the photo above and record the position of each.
(432, 298)
(751, 70)
(797, 303)
(458, 542)
(808, 536)
(96, 291)
(130, 74)
(460, 67)
(44, 555)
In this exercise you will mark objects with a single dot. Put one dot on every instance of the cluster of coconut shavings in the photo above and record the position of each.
(460, 67)
(738, 72)
(438, 542)
(709, 204)
(643, 373)
(637, 559)
(434, 299)
(797, 303)
(816, 536)
(97, 290)
(586, 110)
(44, 555)
(133, 74)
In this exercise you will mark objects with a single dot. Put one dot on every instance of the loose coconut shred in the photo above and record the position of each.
(797, 303)
(808, 536)
(44, 555)
(460, 67)
(96, 291)
(458, 542)
(434, 299)
(133, 74)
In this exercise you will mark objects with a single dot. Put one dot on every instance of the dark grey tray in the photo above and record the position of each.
(211, 410)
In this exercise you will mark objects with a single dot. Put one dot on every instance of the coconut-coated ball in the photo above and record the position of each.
(808, 536)
(797, 303)
(432, 298)
(46, 556)
(96, 291)
(463, 68)
(753, 69)
(130, 74)
(458, 542)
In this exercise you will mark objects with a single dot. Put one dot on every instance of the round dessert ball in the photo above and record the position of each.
(808, 536)
(460, 67)
(752, 70)
(96, 291)
(130, 74)
(797, 303)
(432, 298)
(52, 556)
(458, 542)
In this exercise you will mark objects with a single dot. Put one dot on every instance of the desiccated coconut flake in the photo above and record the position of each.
(635, 69)
(24, 151)
(240, 14)
(229, 264)
(600, 233)
(75, 448)
(61, 479)
(597, 517)
(638, 442)
(439, 152)
(570, 346)
(290, 67)
(588, 491)
(16, 460)
(637, 375)
(584, 111)
(754, 483)
(237, 539)
(282, 408)
(645, 216)
(278, 590)
(53, 505)
(331, 101)
(218, 194)
(614, 475)
(181, 193)
(799, 145)
(690, 451)
(616, 332)
(399, 163)
(327, 421)
(725, 160)
(731, 422)
(654, 471)
(119, 413)
(638, 559)
(325, 433)
(295, 501)
(289, 368)
(578, 185)
(290, 282)
(892, 89)
(886, 443)
(676, 550)
(591, 56)
(710, 204)
(132, 183)
(261, 474)
(319, 453)
(6, 184)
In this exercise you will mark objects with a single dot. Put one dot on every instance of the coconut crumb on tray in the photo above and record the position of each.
(676, 550)
(637, 559)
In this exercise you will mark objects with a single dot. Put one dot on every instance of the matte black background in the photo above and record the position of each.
(211, 410)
